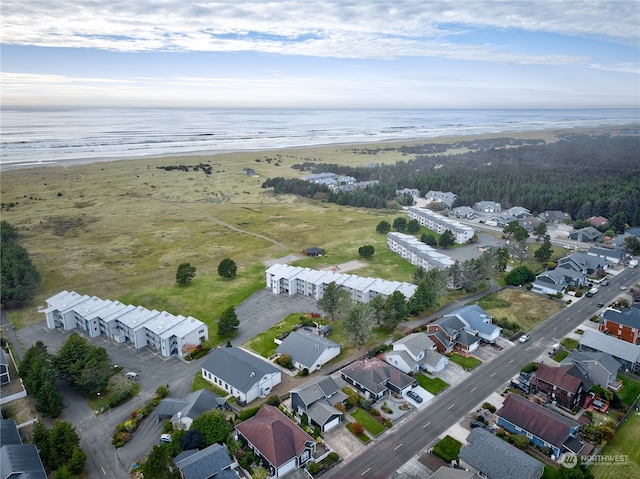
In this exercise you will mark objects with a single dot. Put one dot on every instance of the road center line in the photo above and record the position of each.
(426, 425)
(451, 406)
(473, 389)
(365, 471)
(494, 373)
(397, 447)
(510, 361)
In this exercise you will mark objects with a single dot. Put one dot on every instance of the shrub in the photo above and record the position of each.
(273, 401)
(284, 360)
(357, 428)
(248, 413)
(314, 468)
(529, 368)
(489, 407)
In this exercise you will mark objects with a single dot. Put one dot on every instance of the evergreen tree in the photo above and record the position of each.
(383, 227)
(185, 274)
(227, 268)
(335, 300)
(413, 226)
(502, 258)
(543, 254)
(160, 464)
(49, 401)
(366, 251)
(358, 324)
(213, 426)
(519, 275)
(395, 310)
(19, 278)
(429, 239)
(400, 224)
(228, 323)
(447, 239)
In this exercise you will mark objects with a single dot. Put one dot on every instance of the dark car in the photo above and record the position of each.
(416, 397)
(600, 305)
(475, 424)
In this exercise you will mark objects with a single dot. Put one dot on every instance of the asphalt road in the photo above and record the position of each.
(382, 459)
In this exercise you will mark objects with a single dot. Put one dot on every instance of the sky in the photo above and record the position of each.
(321, 53)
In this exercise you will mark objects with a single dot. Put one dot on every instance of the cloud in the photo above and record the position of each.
(340, 28)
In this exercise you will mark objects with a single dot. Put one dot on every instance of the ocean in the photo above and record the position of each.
(32, 136)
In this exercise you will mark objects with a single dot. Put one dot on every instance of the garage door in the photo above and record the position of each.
(332, 423)
(289, 466)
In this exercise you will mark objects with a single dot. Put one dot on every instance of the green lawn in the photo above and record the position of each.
(467, 363)
(569, 343)
(630, 389)
(200, 383)
(626, 442)
(561, 355)
(433, 385)
(263, 343)
(448, 449)
(371, 425)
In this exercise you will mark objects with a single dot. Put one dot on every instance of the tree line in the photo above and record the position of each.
(584, 175)
(20, 278)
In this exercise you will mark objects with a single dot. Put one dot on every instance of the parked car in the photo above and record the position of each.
(600, 305)
(475, 424)
(605, 282)
(165, 438)
(524, 338)
(591, 292)
(416, 397)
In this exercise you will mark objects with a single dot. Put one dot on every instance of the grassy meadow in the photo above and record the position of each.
(119, 229)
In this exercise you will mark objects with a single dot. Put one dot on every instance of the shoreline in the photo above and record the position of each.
(549, 135)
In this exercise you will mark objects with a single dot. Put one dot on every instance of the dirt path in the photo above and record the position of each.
(181, 206)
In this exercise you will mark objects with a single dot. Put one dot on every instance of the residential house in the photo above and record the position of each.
(599, 367)
(449, 334)
(611, 255)
(447, 472)
(348, 183)
(500, 220)
(373, 378)
(244, 375)
(487, 206)
(519, 212)
(529, 223)
(565, 386)
(446, 198)
(627, 354)
(292, 280)
(17, 460)
(308, 350)
(329, 179)
(5, 377)
(318, 400)
(492, 457)
(414, 193)
(212, 462)
(550, 282)
(249, 172)
(164, 332)
(583, 263)
(623, 324)
(416, 352)
(416, 252)
(183, 411)
(463, 212)
(554, 217)
(440, 224)
(542, 426)
(586, 235)
(477, 322)
(598, 221)
(619, 240)
(279, 444)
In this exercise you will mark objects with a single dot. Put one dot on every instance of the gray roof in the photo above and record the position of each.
(238, 368)
(320, 397)
(475, 317)
(3, 358)
(432, 358)
(204, 464)
(555, 279)
(416, 343)
(498, 459)
(589, 233)
(305, 347)
(583, 357)
(374, 375)
(446, 472)
(612, 345)
(321, 412)
(451, 324)
(192, 406)
(627, 317)
(554, 215)
(607, 252)
(406, 357)
(583, 260)
(9, 433)
(170, 406)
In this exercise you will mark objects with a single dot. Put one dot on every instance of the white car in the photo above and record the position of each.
(165, 438)
(524, 338)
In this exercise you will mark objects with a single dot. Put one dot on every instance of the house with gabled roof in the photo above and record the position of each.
(183, 411)
(542, 426)
(318, 400)
(416, 352)
(373, 378)
(628, 354)
(492, 457)
(600, 368)
(308, 350)
(623, 324)
(519, 212)
(463, 212)
(586, 235)
(212, 462)
(18, 460)
(477, 322)
(446, 198)
(551, 282)
(583, 263)
(565, 386)
(449, 334)
(413, 192)
(487, 206)
(279, 444)
(598, 221)
(242, 374)
(554, 217)
(611, 255)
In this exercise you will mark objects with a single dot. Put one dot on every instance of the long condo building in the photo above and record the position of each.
(416, 252)
(162, 331)
(291, 280)
(440, 224)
